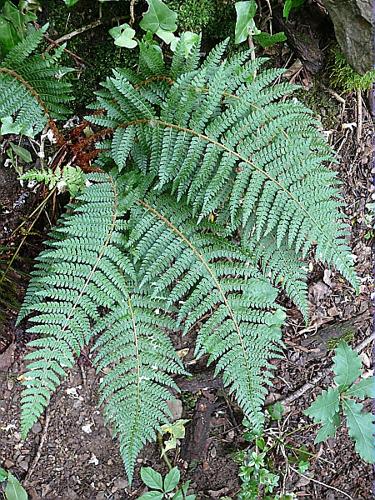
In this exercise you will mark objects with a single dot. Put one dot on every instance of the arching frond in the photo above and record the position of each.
(228, 139)
(79, 273)
(216, 285)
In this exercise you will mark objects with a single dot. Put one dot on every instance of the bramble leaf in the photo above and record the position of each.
(325, 407)
(171, 480)
(364, 389)
(347, 364)
(361, 427)
(152, 478)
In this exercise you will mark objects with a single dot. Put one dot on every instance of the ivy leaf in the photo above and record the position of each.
(171, 480)
(70, 3)
(158, 16)
(245, 24)
(364, 389)
(290, 5)
(152, 478)
(124, 36)
(266, 40)
(347, 364)
(325, 407)
(328, 429)
(361, 428)
(14, 490)
(169, 38)
(21, 152)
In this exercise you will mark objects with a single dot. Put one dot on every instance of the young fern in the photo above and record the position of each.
(31, 89)
(223, 192)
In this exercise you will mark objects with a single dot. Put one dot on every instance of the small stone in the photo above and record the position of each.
(24, 464)
(36, 428)
(175, 406)
(119, 484)
(8, 463)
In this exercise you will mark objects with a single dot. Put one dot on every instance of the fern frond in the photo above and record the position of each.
(228, 140)
(283, 267)
(205, 276)
(133, 344)
(31, 89)
(79, 273)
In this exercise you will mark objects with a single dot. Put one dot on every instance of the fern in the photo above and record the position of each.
(228, 142)
(31, 89)
(134, 344)
(219, 191)
(77, 275)
(211, 278)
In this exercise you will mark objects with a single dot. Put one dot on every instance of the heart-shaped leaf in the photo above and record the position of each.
(158, 16)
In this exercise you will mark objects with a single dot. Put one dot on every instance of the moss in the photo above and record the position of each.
(95, 46)
(215, 18)
(321, 102)
(343, 77)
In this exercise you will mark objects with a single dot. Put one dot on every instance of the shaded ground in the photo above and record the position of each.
(78, 458)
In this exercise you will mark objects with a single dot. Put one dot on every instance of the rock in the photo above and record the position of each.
(119, 484)
(8, 463)
(175, 406)
(352, 20)
(36, 428)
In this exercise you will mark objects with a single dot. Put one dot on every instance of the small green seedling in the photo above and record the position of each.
(69, 179)
(164, 488)
(176, 432)
(339, 400)
(11, 487)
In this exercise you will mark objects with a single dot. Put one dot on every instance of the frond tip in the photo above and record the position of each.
(134, 344)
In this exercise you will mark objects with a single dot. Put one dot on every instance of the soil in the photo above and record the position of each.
(70, 453)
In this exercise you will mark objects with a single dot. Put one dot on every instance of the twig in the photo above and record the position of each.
(310, 385)
(320, 482)
(76, 32)
(36, 459)
(359, 115)
(132, 14)
(54, 43)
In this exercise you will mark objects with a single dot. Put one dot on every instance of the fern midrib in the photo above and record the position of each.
(155, 121)
(169, 224)
(138, 368)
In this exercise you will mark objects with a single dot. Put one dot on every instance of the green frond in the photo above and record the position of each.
(133, 344)
(206, 277)
(80, 272)
(229, 139)
(283, 267)
(31, 88)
